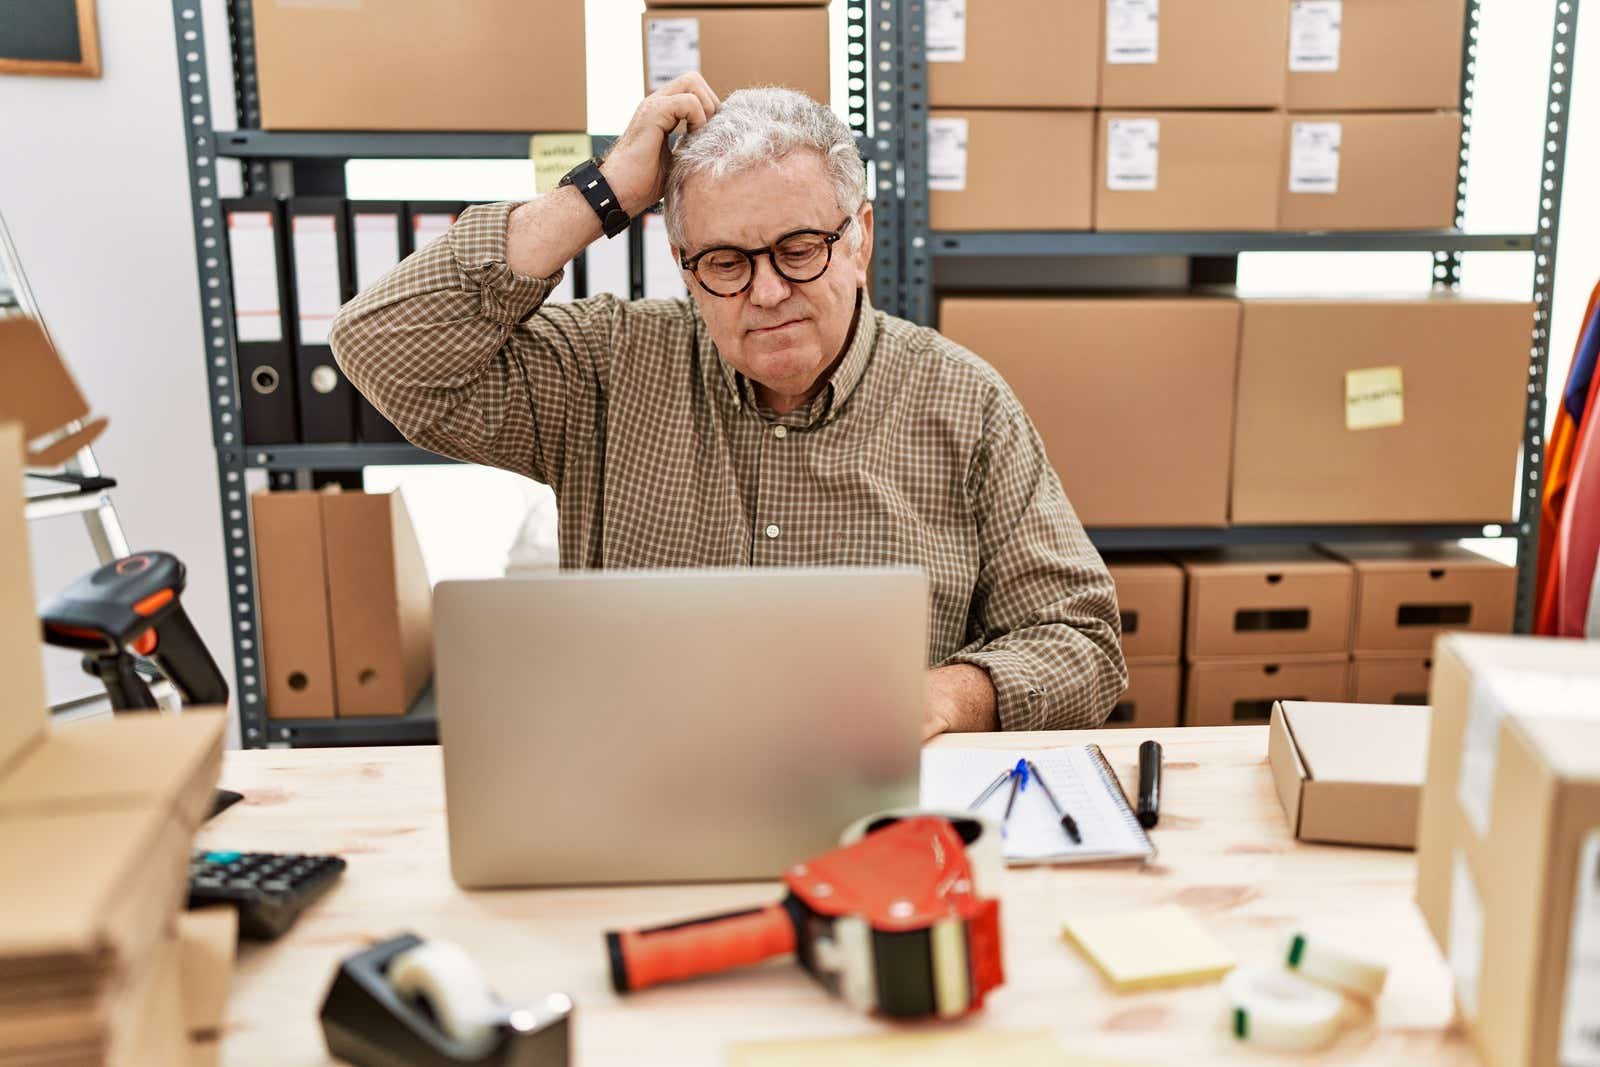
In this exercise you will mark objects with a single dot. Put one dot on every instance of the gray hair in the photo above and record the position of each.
(766, 125)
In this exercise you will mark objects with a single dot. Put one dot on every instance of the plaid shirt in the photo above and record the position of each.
(916, 452)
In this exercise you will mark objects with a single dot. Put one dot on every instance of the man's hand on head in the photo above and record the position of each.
(636, 166)
(961, 699)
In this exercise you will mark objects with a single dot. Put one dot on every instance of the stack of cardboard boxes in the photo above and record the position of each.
(1508, 851)
(736, 44)
(346, 604)
(1269, 412)
(96, 824)
(1215, 115)
(1150, 599)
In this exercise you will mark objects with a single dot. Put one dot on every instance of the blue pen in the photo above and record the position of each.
(1019, 782)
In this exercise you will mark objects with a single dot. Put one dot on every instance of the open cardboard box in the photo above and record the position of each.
(96, 819)
(38, 391)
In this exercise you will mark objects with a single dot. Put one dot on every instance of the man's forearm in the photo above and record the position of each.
(961, 699)
(548, 232)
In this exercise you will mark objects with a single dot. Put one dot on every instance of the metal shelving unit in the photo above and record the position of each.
(887, 105)
(313, 163)
(1213, 258)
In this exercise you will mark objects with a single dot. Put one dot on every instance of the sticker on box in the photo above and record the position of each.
(1133, 31)
(1374, 397)
(1314, 36)
(1314, 157)
(947, 31)
(1133, 155)
(672, 47)
(1580, 1017)
(1466, 936)
(947, 155)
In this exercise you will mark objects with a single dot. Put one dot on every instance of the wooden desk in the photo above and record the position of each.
(1225, 853)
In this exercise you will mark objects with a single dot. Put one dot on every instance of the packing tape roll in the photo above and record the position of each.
(455, 989)
(1333, 966)
(1273, 1008)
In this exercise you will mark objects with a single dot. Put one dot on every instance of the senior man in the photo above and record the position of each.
(775, 419)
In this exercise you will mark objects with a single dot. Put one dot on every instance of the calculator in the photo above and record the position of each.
(268, 889)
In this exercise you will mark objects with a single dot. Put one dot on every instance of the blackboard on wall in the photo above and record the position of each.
(49, 37)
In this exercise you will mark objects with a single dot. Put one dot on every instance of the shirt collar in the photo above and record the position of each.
(846, 376)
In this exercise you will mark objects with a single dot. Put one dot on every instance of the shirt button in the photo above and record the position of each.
(772, 531)
(780, 432)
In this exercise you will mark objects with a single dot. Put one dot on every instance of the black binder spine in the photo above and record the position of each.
(262, 305)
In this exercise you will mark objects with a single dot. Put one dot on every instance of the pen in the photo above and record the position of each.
(1019, 779)
(999, 781)
(1068, 823)
(1149, 783)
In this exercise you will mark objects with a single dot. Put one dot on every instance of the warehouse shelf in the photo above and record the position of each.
(419, 726)
(1193, 538)
(946, 243)
(334, 457)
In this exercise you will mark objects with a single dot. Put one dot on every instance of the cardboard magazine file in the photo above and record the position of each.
(1349, 774)
(1409, 594)
(1264, 603)
(380, 603)
(38, 392)
(292, 584)
(1233, 693)
(1153, 698)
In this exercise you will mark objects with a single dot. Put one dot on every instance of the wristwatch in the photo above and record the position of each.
(588, 180)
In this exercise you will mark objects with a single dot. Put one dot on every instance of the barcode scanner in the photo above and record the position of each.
(131, 606)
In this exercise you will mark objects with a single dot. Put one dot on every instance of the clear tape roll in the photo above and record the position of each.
(1271, 1007)
(456, 991)
(1331, 965)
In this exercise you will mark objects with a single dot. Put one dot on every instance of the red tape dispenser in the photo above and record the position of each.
(892, 921)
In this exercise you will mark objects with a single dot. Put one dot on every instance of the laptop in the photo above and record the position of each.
(673, 726)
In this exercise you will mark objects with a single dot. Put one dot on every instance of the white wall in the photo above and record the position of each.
(94, 188)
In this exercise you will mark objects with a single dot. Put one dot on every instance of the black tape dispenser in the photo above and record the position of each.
(414, 1003)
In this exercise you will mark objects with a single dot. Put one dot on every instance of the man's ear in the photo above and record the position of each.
(864, 253)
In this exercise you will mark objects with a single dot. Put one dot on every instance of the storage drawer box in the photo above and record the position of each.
(1150, 599)
(1225, 693)
(1258, 603)
(1152, 700)
(1409, 594)
(1391, 678)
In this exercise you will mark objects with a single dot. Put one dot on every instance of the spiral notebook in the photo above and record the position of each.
(1082, 781)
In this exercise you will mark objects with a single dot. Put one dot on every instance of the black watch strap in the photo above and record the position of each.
(588, 180)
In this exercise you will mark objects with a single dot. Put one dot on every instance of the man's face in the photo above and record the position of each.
(781, 334)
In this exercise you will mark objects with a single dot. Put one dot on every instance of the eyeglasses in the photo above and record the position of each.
(800, 256)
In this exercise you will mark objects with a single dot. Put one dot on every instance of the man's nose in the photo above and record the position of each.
(768, 287)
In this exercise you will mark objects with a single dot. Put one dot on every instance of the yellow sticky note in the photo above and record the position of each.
(1149, 948)
(935, 1048)
(554, 154)
(1374, 397)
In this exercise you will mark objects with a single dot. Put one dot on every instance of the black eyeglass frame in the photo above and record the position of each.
(830, 238)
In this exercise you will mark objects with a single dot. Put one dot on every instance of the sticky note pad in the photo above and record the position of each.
(1150, 948)
(941, 1048)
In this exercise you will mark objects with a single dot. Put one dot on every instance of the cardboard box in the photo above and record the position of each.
(1198, 54)
(380, 603)
(292, 585)
(23, 712)
(1379, 171)
(1380, 411)
(1509, 859)
(417, 65)
(735, 48)
(1016, 53)
(1153, 697)
(206, 939)
(1074, 364)
(1264, 603)
(1150, 598)
(1498, 676)
(1409, 594)
(1387, 55)
(1238, 693)
(1349, 774)
(39, 394)
(1391, 677)
(1188, 170)
(974, 158)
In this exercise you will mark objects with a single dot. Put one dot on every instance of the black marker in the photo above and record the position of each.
(1149, 783)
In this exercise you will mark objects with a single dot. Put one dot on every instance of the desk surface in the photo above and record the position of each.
(1225, 853)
